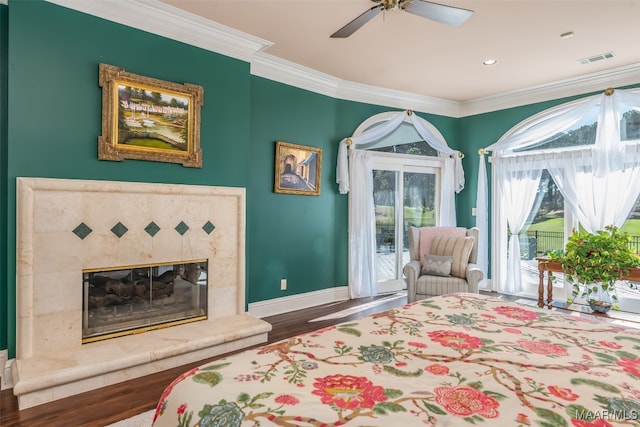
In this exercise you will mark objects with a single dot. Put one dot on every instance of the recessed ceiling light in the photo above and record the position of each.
(490, 62)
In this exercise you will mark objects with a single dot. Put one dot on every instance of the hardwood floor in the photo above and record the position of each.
(110, 404)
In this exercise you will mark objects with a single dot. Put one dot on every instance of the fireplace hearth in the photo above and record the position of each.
(158, 269)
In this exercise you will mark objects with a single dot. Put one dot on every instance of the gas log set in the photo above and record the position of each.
(130, 298)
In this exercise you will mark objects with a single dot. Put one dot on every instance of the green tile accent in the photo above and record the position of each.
(152, 228)
(119, 229)
(208, 227)
(182, 228)
(82, 230)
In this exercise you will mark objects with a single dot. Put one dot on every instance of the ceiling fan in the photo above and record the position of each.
(449, 15)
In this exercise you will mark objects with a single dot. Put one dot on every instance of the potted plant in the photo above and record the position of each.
(593, 262)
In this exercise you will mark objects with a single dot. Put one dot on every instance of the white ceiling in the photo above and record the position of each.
(405, 52)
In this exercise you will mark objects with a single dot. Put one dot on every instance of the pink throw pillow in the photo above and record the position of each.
(427, 234)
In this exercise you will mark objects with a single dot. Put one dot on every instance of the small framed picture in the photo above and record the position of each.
(297, 169)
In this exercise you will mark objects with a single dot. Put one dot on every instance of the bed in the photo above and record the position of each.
(453, 360)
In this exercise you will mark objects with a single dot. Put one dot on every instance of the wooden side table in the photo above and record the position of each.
(551, 266)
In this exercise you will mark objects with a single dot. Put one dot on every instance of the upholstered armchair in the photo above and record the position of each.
(443, 261)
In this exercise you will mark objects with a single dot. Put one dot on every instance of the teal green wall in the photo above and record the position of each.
(291, 237)
(4, 300)
(54, 113)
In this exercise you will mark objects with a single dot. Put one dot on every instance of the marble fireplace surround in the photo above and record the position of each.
(53, 247)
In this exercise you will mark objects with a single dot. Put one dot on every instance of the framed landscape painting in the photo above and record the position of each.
(297, 169)
(149, 119)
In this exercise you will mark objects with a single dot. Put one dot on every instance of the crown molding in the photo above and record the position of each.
(617, 77)
(290, 73)
(287, 72)
(159, 18)
(359, 92)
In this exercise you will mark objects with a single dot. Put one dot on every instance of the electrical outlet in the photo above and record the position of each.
(473, 211)
(283, 284)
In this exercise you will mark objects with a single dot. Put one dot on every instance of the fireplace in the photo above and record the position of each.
(84, 251)
(129, 300)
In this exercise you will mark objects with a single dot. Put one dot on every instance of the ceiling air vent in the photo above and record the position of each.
(596, 58)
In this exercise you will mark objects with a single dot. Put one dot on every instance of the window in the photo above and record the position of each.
(569, 190)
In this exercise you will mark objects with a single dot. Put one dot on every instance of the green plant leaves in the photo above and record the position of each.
(595, 261)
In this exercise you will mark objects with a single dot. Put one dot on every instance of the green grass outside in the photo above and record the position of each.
(553, 224)
(632, 226)
(414, 216)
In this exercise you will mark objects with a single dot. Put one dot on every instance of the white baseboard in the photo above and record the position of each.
(296, 302)
(6, 380)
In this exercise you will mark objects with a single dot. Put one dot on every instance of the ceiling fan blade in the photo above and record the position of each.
(352, 26)
(449, 15)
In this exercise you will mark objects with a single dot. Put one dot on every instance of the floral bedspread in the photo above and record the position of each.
(454, 360)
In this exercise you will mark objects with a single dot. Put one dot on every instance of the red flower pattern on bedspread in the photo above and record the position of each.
(348, 391)
(632, 366)
(464, 401)
(600, 422)
(287, 399)
(437, 369)
(458, 340)
(456, 360)
(562, 393)
(541, 347)
(516, 313)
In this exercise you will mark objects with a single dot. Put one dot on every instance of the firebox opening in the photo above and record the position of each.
(133, 299)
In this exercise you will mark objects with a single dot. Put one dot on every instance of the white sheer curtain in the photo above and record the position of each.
(362, 240)
(426, 131)
(452, 182)
(596, 200)
(447, 212)
(600, 182)
(482, 222)
(519, 180)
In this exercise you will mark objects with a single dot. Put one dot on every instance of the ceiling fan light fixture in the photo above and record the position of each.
(389, 4)
(448, 15)
(489, 62)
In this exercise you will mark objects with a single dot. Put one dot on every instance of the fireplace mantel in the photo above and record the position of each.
(67, 226)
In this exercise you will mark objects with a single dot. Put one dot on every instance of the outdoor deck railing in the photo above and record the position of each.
(537, 243)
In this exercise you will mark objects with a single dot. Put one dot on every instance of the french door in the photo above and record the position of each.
(406, 192)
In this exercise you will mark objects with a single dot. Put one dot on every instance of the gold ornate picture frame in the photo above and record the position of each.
(149, 119)
(297, 169)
